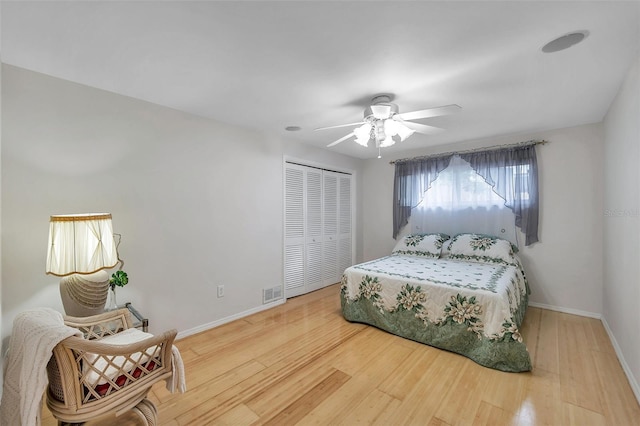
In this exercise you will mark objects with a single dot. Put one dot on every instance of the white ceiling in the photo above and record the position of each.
(268, 65)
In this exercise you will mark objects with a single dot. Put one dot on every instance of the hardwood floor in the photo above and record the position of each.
(302, 363)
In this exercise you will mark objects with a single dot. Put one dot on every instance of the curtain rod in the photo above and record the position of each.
(489, 148)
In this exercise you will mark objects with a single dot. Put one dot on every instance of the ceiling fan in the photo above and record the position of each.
(385, 125)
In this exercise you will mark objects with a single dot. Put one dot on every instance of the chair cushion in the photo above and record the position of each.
(99, 370)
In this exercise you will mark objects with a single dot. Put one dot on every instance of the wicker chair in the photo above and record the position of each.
(90, 377)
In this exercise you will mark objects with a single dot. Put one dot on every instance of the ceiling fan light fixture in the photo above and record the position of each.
(379, 130)
(381, 112)
(384, 124)
(387, 142)
(363, 134)
(393, 128)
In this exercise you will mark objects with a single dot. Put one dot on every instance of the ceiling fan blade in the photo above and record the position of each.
(417, 127)
(431, 112)
(340, 125)
(342, 139)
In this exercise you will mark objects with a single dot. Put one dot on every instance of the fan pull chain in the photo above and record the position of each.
(379, 155)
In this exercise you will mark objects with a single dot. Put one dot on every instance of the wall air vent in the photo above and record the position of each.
(271, 294)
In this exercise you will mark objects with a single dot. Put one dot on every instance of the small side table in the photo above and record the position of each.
(138, 320)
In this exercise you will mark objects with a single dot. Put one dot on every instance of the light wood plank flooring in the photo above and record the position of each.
(302, 363)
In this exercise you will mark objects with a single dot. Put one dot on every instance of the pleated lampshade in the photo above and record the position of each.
(80, 244)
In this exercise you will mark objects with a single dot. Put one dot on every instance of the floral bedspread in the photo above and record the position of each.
(470, 308)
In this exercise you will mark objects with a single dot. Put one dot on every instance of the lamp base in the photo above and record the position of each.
(84, 295)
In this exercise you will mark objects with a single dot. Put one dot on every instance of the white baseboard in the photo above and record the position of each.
(566, 310)
(632, 380)
(625, 367)
(228, 319)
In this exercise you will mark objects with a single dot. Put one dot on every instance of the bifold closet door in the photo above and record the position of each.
(331, 274)
(314, 225)
(345, 251)
(294, 231)
(317, 228)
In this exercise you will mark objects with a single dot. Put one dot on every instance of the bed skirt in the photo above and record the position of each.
(505, 354)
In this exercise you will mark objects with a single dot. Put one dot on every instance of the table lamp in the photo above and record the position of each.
(81, 246)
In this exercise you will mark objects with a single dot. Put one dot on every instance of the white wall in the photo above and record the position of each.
(565, 267)
(198, 203)
(1, 352)
(621, 313)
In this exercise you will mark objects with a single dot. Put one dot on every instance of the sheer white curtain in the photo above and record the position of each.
(460, 200)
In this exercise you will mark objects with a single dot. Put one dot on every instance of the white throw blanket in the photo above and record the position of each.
(35, 334)
(177, 379)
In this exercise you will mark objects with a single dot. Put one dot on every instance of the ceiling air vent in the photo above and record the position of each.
(565, 41)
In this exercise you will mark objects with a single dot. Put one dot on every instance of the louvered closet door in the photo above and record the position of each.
(317, 228)
(294, 230)
(314, 225)
(345, 251)
(330, 273)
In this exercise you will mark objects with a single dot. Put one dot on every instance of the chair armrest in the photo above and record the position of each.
(100, 371)
(105, 324)
(98, 347)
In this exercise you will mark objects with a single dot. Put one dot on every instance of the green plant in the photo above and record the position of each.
(119, 279)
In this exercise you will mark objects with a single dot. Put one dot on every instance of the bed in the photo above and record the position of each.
(467, 294)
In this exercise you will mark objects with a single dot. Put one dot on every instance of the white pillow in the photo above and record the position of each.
(444, 253)
(425, 245)
(125, 337)
(481, 248)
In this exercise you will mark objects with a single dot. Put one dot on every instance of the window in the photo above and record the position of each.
(459, 187)
(476, 181)
(460, 200)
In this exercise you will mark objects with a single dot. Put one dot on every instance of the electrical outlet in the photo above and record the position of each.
(220, 291)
